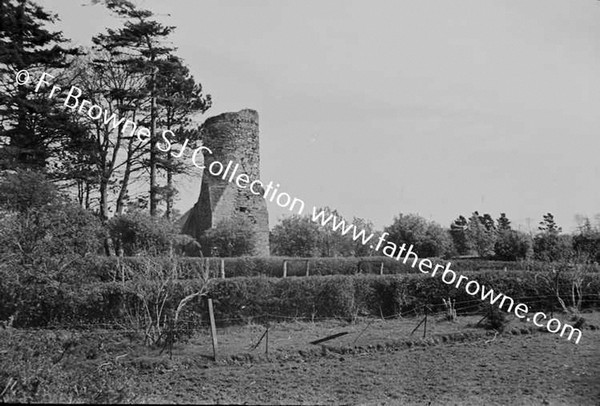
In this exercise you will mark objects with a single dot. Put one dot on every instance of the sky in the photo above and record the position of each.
(382, 107)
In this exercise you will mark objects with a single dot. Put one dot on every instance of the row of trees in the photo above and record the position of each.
(479, 235)
(40, 221)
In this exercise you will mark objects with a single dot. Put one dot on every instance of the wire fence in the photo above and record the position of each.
(463, 308)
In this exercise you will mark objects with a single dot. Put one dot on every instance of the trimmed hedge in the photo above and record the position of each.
(107, 269)
(239, 300)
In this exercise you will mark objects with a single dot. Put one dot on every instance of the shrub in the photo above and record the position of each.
(37, 223)
(512, 246)
(295, 236)
(231, 237)
(138, 233)
(588, 243)
(496, 319)
(550, 247)
(428, 238)
(22, 191)
(53, 230)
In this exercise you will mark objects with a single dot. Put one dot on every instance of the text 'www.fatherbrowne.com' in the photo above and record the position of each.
(449, 277)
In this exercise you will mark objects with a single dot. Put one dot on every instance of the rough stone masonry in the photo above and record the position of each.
(231, 137)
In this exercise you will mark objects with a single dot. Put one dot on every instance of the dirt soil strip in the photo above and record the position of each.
(384, 366)
(517, 370)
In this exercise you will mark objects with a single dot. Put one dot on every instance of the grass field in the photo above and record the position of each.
(377, 362)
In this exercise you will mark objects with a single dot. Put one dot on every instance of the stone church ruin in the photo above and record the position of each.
(231, 137)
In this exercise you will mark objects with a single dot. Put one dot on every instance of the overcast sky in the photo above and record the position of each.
(424, 106)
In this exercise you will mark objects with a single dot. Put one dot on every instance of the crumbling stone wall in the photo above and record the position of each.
(231, 137)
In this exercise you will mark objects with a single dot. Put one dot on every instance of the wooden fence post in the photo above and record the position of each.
(222, 268)
(307, 266)
(381, 269)
(285, 268)
(425, 326)
(267, 342)
(213, 327)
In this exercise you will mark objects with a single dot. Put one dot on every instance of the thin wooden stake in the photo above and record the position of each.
(213, 327)
(307, 267)
(259, 340)
(222, 268)
(381, 269)
(425, 327)
(285, 269)
(267, 342)
(418, 325)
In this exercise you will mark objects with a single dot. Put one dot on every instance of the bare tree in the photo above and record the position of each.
(154, 314)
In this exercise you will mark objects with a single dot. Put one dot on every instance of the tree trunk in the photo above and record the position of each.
(126, 177)
(103, 198)
(170, 193)
(88, 188)
(153, 152)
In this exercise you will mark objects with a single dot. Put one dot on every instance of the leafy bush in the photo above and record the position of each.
(512, 246)
(22, 190)
(496, 319)
(428, 238)
(36, 223)
(549, 247)
(300, 236)
(587, 240)
(589, 244)
(231, 237)
(53, 230)
(138, 233)
(295, 236)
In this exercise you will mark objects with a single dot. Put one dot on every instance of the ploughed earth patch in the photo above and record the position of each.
(376, 361)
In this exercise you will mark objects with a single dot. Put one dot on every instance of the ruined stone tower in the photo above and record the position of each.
(231, 137)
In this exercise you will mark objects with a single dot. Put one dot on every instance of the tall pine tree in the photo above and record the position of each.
(141, 42)
(32, 126)
(179, 98)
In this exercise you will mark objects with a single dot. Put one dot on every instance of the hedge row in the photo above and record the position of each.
(107, 269)
(239, 300)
